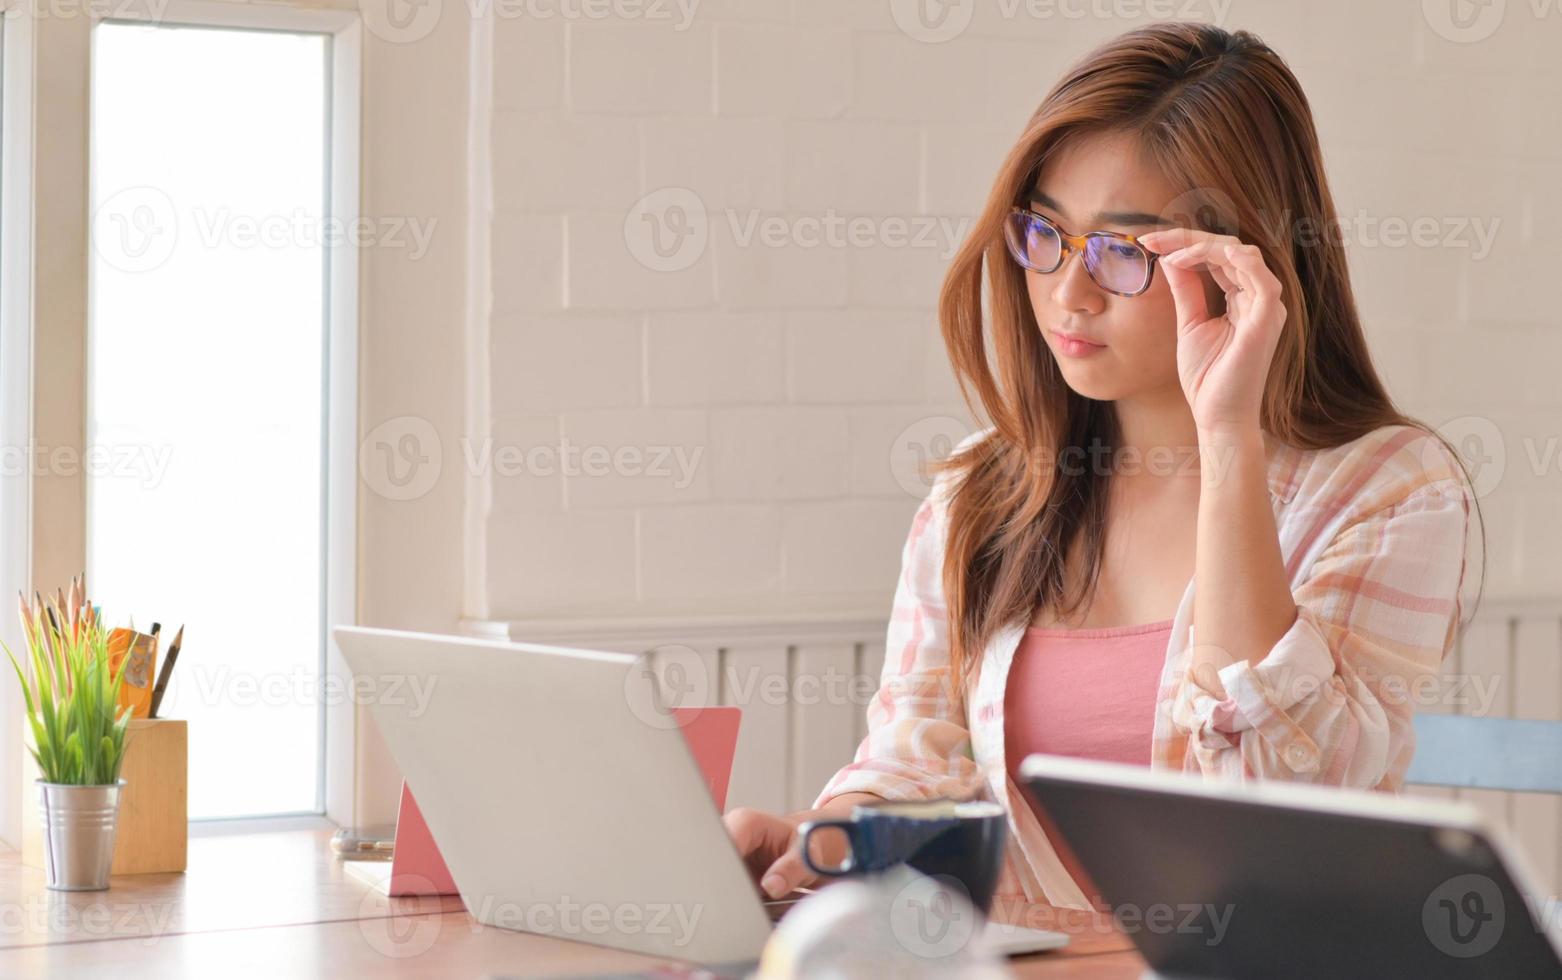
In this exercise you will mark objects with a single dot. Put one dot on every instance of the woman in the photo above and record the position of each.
(1183, 395)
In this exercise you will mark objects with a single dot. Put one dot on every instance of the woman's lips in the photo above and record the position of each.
(1076, 346)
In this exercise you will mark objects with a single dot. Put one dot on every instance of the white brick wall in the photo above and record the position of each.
(794, 371)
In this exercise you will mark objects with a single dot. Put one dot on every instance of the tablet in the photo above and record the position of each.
(1275, 879)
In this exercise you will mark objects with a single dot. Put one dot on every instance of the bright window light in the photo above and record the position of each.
(207, 346)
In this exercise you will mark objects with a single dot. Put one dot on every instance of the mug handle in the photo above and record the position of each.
(808, 829)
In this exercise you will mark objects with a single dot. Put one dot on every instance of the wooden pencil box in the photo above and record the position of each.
(154, 812)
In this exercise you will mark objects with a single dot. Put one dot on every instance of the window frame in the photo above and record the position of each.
(15, 373)
(45, 323)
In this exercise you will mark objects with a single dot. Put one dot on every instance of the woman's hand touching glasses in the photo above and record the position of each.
(1223, 360)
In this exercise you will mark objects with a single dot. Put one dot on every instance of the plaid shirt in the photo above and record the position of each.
(1373, 534)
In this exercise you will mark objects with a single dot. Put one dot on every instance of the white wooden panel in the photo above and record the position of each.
(824, 716)
(1440, 702)
(1486, 660)
(756, 680)
(686, 676)
(1443, 699)
(1537, 817)
(870, 664)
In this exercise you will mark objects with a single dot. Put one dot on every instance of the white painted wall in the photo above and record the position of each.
(413, 351)
(796, 372)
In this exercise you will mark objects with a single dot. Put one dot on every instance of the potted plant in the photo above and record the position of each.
(78, 735)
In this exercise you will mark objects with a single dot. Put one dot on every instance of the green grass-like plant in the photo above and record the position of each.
(72, 697)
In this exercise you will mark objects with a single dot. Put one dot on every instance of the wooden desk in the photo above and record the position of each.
(279, 905)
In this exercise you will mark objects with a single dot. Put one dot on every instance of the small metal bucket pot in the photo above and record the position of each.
(78, 834)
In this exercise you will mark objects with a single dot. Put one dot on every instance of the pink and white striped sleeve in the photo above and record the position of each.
(918, 746)
(1333, 701)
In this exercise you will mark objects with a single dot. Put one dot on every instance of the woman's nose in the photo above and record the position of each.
(1073, 289)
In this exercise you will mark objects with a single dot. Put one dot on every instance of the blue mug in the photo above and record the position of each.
(940, 838)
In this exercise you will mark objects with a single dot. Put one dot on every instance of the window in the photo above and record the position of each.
(208, 394)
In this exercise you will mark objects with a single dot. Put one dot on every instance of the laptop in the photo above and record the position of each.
(564, 801)
(1276, 879)
(417, 868)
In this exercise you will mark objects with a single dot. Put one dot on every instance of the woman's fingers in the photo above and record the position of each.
(1234, 266)
(1168, 240)
(1222, 279)
(786, 874)
(768, 844)
(1252, 271)
(753, 834)
(1206, 254)
(1187, 293)
(1259, 284)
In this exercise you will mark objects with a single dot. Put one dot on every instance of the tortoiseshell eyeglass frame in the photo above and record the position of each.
(1077, 243)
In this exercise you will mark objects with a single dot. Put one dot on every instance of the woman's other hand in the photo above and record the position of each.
(767, 843)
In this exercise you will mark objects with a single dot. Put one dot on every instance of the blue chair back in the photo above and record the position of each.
(1487, 753)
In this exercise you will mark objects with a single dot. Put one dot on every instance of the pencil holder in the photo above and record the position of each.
(154, 828)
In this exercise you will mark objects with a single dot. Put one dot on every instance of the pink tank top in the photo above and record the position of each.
(1085, 692)
(1088, 693)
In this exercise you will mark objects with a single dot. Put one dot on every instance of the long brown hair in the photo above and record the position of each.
(1221, 114)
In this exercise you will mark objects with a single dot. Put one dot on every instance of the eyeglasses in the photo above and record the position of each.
(1117, 263)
